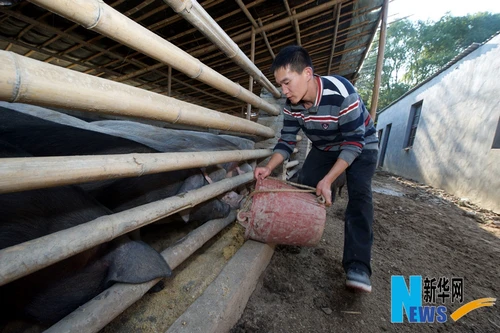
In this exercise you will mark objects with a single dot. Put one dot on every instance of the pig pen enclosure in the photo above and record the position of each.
(118, 115)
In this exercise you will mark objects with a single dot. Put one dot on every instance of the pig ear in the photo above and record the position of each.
(136, 262)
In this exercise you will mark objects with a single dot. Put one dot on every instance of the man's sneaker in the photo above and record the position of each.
(358, 280)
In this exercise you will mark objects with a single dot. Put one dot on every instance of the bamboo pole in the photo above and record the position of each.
(63, 58)
(169, 84)
(170, 21)
(100, 17)
(217, 19)
(380, 60)
(102, 309)
(313, 31)
(334, 41)
(28, 257)
(30, 81)
(22, 174)
(266, 40)
(160, 65)
(91, 41)
(295, 22)
(274, 25)
(194, 13)
(365, 53)
(187, 89)
(191, 88)
(297, 28)
(250, 83)
(315, 17)
(63, 34)
(244, 8)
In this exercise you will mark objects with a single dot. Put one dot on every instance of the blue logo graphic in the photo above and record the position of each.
(408, 299)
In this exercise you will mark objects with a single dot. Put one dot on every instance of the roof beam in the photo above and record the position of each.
(101, 18)
(374, 32)
(274, 25)
(338, 9)
(295, 21)
(255, 25)
(198, 17)
(51, 54)
(380, 60)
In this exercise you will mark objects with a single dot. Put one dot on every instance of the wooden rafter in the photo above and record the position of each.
(295, 21)
(255, 25)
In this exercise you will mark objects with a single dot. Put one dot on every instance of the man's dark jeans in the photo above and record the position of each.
(358, 234)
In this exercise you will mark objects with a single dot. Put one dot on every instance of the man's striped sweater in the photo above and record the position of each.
(338, 120)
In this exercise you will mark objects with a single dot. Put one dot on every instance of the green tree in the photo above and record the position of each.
(442, 41)
(396, 58)
(416, 50)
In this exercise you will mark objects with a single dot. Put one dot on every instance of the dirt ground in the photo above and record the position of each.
(418, 230)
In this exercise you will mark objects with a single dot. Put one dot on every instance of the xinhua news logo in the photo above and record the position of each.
(435, 293)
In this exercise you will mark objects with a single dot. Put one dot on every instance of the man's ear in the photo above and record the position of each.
(308, 72)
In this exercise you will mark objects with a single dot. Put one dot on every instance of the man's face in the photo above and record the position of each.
(294, 84)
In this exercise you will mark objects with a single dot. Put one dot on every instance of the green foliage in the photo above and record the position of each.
(416, 50)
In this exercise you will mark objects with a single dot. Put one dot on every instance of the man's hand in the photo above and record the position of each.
(324, 188)
(261, 172)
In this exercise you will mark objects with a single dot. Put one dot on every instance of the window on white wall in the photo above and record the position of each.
(496, 139)
(384, 145)
(413, 124)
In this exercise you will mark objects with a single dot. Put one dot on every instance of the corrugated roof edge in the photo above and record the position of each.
(457, 58)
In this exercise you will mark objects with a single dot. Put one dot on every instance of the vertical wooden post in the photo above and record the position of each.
(266, 41)
(169, 81)
(338, 8)
(295, 22)
(380, 60)
(250, 84)
(297, 28)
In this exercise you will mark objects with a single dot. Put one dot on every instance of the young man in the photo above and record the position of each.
(333, 116)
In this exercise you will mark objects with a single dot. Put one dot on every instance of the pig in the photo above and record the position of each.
(338, 184)
(47, 295)
(336, 187)
(174, 141)
(218, 206)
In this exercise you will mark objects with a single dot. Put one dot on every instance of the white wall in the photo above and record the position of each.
(460, 113)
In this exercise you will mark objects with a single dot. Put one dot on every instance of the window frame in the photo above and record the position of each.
(413, 121)
(496, 138)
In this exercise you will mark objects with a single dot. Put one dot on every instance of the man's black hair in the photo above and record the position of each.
(294, 56)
